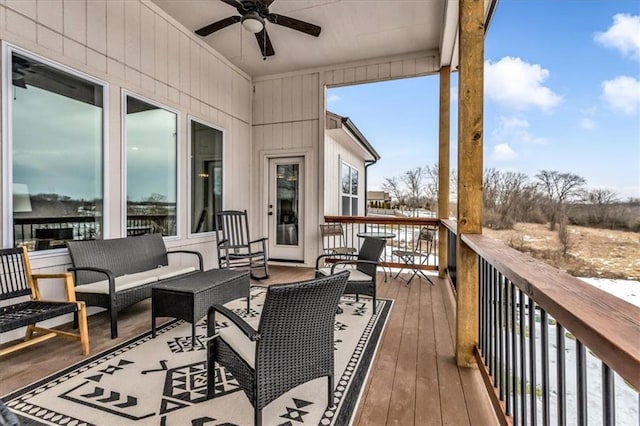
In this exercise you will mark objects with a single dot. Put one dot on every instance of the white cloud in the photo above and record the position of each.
(512, 130)
(503, 152)
(623, 35)
(333, 98)
(622, 93)
(516, 84)
(587, 123)
(454, 95)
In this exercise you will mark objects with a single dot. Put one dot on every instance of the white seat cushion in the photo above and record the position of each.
(354, 274)
(240, 343)
(164, 272)
(123, 282)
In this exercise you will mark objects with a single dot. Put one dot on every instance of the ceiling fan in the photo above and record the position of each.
(253, 16)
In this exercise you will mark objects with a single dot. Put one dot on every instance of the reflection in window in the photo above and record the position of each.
(56, 139)
(151, 148)
(349, 190)
(206, 176)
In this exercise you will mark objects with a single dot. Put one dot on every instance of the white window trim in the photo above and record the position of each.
(344, 194)
(123, 176)
(7, 143)
(190, 118)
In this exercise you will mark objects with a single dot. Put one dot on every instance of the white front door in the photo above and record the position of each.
(286, 208)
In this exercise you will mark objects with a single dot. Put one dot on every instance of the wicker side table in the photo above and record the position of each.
(189, 298)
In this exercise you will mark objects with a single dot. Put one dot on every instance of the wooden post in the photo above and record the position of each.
(470, 97)
(443, 165)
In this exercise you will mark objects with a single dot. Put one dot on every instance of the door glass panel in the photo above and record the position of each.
(287, 196)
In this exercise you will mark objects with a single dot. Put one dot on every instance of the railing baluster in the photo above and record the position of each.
(501, 313)
(562, 382)
(532, 359)
(544, 339)
(514, 347)
(608, 397)
(507, 345)
(581, 377)
(523, 364)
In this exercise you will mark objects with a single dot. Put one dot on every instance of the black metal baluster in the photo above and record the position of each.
(500, 353)
(523, 363)
(562, 379)
(514, 352)
(544, 338)
(507, 343)
(608, 397)
(483, 307)
(532, 360)
(490, 319)
(581, 374)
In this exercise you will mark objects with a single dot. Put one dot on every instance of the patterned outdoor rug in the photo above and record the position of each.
(162, 381)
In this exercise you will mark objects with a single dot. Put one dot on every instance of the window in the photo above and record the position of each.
(54, 156)
(206, 176)
(349, 190)
(151, 168)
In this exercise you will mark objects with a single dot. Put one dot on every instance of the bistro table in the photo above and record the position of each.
(382, 236)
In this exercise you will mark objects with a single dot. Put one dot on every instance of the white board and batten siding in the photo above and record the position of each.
(134, 45)
(289, 118)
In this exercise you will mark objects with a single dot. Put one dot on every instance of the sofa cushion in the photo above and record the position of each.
(164, 272)
(239, 342)
(122, 283)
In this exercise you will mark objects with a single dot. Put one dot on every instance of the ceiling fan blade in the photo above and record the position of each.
(267, 3)
(264, 42)
(295, 24)
(212, 28)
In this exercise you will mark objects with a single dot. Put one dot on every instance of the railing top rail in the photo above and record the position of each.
(451, 225)
(606, 324)
(383, 220)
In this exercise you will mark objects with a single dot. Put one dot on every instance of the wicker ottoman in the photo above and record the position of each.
(189, 298)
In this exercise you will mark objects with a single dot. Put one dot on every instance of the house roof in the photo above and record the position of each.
(352, 31)
(355, 133)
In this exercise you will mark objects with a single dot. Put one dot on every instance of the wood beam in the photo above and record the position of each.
(443, 165)
(470, 98)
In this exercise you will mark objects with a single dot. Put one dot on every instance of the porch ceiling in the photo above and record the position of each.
(352, 30)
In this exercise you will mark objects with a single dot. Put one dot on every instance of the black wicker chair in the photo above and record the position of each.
(363, 277)
(235, 248)
(294, 342)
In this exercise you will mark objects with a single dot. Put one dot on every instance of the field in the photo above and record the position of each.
(592, 252)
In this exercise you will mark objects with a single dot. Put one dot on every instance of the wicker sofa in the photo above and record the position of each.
(114, 274)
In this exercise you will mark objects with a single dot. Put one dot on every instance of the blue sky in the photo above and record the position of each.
(562, 92)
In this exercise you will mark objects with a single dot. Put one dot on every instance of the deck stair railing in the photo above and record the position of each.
(554, 349)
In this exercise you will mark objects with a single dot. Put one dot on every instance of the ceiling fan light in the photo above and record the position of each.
(253, 22)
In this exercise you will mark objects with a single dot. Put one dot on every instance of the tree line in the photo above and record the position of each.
(550, 196)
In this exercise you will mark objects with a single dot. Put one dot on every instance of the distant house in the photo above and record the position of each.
(378, 198)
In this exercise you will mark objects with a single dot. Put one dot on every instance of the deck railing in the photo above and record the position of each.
(405, 232)
(554, 350)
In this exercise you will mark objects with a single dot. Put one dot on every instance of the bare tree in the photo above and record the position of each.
(503, 194)
(431, 189)
(394, 187)
(600, 201)
(558, 188)
(413, 179)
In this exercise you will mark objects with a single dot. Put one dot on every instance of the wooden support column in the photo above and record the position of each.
(443, 165)
(470, 97)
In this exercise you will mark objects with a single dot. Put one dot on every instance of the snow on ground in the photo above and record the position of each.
(628, 290)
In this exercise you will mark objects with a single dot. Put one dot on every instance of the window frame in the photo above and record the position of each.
(349, 194)
(123, 174)
(190, 118)
(7, 49)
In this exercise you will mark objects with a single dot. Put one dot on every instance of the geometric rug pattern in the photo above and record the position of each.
(162, 380)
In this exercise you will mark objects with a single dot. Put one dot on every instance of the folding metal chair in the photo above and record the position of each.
(414, 259)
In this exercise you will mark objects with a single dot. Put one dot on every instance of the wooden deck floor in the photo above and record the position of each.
(414, 379)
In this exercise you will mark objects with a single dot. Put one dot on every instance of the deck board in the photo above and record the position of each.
(414, 379)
